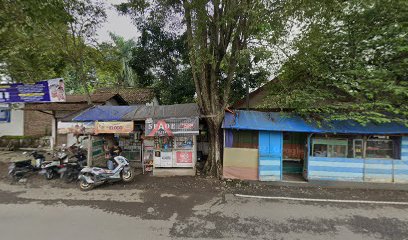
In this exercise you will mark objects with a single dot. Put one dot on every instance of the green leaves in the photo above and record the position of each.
(27, 36)
(351, 63)
(48, 39)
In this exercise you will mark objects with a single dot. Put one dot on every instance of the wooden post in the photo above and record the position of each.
(54, 131)
(89, 157)
(195, 154)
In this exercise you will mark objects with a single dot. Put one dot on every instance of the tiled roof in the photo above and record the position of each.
(75, 102)
(96, 98)
(131, 95)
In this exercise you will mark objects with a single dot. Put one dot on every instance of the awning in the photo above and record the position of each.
(136, 113)
(186, 110)
(103, 113)
(274, 121)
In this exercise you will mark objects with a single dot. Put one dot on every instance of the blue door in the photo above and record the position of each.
(270, 156)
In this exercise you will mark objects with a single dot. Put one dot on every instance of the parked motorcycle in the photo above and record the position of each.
(73, 166)
(19, 169)
(52, 169)
(94, 176)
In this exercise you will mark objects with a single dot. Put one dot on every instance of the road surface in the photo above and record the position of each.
(192, 209)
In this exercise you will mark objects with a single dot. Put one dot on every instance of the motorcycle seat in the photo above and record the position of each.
(102, 170)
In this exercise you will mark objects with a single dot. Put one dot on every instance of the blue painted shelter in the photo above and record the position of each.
(339, 150)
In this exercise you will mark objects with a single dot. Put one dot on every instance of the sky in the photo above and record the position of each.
(118, 24)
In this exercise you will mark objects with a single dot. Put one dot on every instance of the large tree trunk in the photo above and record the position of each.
(214, 44)
(214, 161)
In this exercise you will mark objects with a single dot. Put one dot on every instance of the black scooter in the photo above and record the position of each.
(18, 170)
(73, 166)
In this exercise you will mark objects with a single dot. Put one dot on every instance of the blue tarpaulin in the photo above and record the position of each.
(274, 121)
(103, 113)
(136, 113)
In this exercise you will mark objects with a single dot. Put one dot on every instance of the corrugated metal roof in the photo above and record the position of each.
(274, 121)
(163, 112)
(103, 113)
(135, 113)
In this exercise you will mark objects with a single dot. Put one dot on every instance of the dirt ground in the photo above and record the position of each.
(213, 185)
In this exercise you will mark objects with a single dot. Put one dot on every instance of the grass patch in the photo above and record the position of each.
(18, 137)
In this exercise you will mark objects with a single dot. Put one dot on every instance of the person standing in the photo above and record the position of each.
(115, 151)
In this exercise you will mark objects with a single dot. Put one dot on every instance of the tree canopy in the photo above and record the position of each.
(351, 62)
(27, 37)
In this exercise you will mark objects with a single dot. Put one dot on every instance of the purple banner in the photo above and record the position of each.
(52, 90)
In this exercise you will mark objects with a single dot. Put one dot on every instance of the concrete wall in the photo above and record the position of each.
(16, 125)
(240, 163)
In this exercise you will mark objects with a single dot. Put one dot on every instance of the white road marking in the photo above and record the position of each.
(321, 200)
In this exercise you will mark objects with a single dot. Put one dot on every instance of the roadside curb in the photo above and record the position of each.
(334, 184)
(322, 200)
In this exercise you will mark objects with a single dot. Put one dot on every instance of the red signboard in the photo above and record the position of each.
(184, 157)
(171, 127)
(160, 129)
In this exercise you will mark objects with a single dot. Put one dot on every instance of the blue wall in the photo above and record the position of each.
(401, 167)
(368, 170)
(337, 169)
(331, 169)
(270, 156)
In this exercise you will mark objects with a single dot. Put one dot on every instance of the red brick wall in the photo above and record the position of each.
(37, 123)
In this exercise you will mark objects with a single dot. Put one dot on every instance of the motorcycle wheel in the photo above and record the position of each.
(70, 177)
(128, 176)
(49, 174)
(85, 186)
(13, 176)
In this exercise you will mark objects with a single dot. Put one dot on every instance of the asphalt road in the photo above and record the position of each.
(201, 211)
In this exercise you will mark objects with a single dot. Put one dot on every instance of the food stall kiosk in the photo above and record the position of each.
(170, 143)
